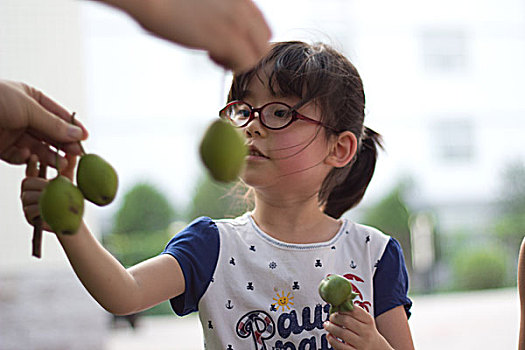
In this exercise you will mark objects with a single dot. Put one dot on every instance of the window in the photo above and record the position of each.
(444, 50)
(453, 139)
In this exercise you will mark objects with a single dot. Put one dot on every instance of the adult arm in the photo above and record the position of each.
(233, 32)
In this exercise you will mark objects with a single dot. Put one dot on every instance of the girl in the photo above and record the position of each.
(254, 279)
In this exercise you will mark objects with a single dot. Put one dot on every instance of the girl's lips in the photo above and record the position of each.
(254, 153)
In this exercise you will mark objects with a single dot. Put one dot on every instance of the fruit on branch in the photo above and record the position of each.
(337, 291)
(61, 205)
(97, 179)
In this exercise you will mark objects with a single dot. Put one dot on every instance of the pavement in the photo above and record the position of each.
(456, 321)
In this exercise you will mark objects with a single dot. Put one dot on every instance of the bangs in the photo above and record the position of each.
(292, 69)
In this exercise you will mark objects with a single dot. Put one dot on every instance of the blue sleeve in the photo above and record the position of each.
(391, 280)
(196, 249)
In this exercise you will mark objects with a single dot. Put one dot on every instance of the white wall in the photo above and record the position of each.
(41, 45)
(42, 304)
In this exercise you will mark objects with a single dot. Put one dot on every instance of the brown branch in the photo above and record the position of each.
(37, 229)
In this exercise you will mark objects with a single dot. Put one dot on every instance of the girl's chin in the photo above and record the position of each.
(254, 178)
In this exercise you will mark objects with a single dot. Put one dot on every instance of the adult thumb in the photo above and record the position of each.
(51, 126)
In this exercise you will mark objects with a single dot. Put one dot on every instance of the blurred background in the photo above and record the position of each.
(444, 86)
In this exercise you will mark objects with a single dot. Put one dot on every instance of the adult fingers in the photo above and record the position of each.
(53, 127)
(49, 118)
(68, 147)
(55, 108)
(42, 150)
(243, 37)
(259, 32)
(15, 155)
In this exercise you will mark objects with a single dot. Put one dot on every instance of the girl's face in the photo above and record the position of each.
(288, 159)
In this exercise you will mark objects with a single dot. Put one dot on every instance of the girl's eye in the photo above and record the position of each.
(243, 113)
(281, 113)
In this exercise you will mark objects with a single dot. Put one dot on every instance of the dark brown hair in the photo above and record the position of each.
(318, 73)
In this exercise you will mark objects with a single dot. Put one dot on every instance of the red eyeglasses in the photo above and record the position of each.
(273, 115)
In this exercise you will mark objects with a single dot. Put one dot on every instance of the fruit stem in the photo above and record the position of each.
(79, 143)
(57, 166)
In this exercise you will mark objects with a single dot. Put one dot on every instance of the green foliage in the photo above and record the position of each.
(391, 215)
(141, 230)
(144, 208)
(480, 267)
(132, 249)
(218, 200)
(509, 228)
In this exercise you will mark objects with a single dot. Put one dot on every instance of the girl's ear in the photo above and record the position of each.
(343, 149)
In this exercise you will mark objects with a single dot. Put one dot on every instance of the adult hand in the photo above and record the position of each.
(233, 32)
(30, 122)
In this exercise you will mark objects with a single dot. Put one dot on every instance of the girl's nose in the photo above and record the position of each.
(254, 127)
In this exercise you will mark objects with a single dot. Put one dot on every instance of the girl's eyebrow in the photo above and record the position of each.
(247, 94)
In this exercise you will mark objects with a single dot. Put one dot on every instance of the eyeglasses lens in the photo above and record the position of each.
(273, 115)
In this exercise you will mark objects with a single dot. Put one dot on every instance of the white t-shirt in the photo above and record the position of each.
(255, 292)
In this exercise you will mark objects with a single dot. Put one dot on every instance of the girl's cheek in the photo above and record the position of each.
(289, 146)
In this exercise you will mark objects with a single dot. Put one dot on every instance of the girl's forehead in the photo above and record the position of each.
(259, 87)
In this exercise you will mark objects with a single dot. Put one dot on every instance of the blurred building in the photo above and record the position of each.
(42, 304)
(443, 83)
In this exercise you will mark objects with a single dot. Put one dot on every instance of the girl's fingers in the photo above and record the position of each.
(32, 213)
(69, 171)
(337, 344)
(30, 197)
(31, 168)
(33, 184)
(339, 332)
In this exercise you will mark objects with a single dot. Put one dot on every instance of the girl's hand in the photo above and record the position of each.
(32, 187)
(354, 330)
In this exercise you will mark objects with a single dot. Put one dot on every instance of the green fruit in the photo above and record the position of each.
(62, 206)
(97, 179)
(337, 291)
(223, 151)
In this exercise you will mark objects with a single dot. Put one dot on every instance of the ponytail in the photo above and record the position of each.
(344, 187)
